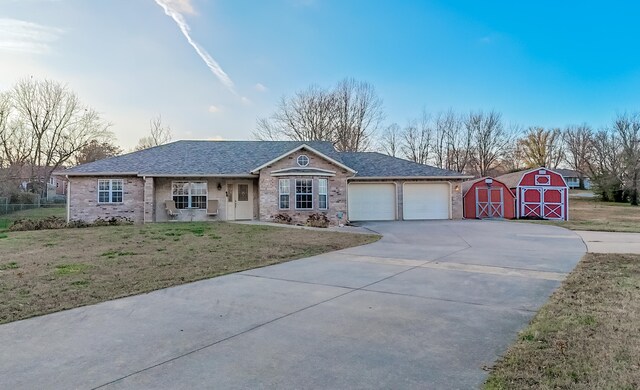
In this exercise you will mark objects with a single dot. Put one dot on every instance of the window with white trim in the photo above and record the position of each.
(284, 188)
(303, 160)
(189, 194)
(304, 194)
(323, 198)
(110, 190)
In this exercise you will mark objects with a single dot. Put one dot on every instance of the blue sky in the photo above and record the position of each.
(545, 63)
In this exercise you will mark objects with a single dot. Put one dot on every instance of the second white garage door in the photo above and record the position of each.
(426, 201)
(372, 201)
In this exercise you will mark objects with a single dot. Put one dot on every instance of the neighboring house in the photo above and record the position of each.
(573, 179)
(259, 180)
(29, 178)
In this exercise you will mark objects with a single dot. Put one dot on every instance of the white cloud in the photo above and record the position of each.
(213, 109)
(245, 100)
(28, 37)
(181, 6)
(260, 87)
(216, 69)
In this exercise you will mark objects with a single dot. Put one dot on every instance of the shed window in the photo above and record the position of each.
(110, 190)
(189, 194)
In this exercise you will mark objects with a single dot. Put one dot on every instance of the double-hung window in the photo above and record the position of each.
(110, 190)
(284, 187)
(323, 199)
(304, 194)
(189, 194)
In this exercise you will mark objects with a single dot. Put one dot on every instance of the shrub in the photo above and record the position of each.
(24, 198)
(318, 220)
(113, 221)
(38, 224)
(282, 218)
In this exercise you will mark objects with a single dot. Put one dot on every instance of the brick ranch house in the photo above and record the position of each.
(257, 180)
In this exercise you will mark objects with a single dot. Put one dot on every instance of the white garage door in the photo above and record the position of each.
(372, 202)
(426, 201)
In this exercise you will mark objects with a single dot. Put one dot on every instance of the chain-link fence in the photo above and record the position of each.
(41, 208)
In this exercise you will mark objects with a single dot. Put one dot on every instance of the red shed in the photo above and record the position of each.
(540, 193)
(487, 198)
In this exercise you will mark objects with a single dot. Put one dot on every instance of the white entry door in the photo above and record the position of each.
(240, 200)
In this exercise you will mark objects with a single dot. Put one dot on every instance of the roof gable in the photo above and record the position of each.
(307, 148)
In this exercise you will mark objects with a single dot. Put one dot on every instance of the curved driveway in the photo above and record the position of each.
(428, 306)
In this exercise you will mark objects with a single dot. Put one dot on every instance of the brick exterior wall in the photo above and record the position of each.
(337, 189)
(84, 205)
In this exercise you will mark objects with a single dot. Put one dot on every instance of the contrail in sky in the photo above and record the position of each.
(208, 60)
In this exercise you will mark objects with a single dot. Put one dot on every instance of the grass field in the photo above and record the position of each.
(587, 336)
(51, 270)
(593, 214)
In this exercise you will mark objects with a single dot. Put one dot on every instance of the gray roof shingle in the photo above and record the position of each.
(210, 158)
(374, 164)
(200, 158)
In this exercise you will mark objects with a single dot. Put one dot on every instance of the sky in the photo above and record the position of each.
(210, 68)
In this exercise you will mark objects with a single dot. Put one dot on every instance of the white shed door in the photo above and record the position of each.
(426, 201)
(372, 202)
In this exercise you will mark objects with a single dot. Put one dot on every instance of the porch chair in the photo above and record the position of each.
(170, 208)
(212, 207)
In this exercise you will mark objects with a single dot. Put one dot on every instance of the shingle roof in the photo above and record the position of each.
(567, 172)
(511, 180)
(209, 158)
(373, 164)
(469, 183)
(200, 158)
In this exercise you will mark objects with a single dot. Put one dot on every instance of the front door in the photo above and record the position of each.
(240, 200)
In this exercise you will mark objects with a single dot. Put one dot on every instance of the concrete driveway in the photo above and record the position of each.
(610, 242)
(427, 307)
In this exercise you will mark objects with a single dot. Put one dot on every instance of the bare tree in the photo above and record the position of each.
(53, 121)
(347, 115)
(96, 150)
(605, 166)
(391, 140)
(489, 137)
(416, 138)
(359, 114)
(628, 129)
(158, 134)
(310, 115)
(542, 148)
(578, 148)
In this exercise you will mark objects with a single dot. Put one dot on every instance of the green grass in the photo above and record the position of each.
(68, 269)
(9, 265)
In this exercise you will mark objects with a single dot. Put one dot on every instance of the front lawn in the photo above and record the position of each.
(587, 336)
(593, 214)
(51, 270)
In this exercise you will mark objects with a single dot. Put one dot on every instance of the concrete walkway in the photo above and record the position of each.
(427, 307)
(610, 242)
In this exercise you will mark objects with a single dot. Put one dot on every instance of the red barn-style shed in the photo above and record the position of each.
(487, 198)
(540, 193)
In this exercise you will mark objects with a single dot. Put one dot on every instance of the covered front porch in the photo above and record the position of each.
(200, 199)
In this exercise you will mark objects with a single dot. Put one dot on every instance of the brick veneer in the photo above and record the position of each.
(84, 204)
(337, 189)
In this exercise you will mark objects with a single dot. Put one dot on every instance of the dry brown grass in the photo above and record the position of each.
(586, 337)
(51, 270)
(593, 214)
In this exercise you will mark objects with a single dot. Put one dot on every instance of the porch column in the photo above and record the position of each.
(149, 200)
